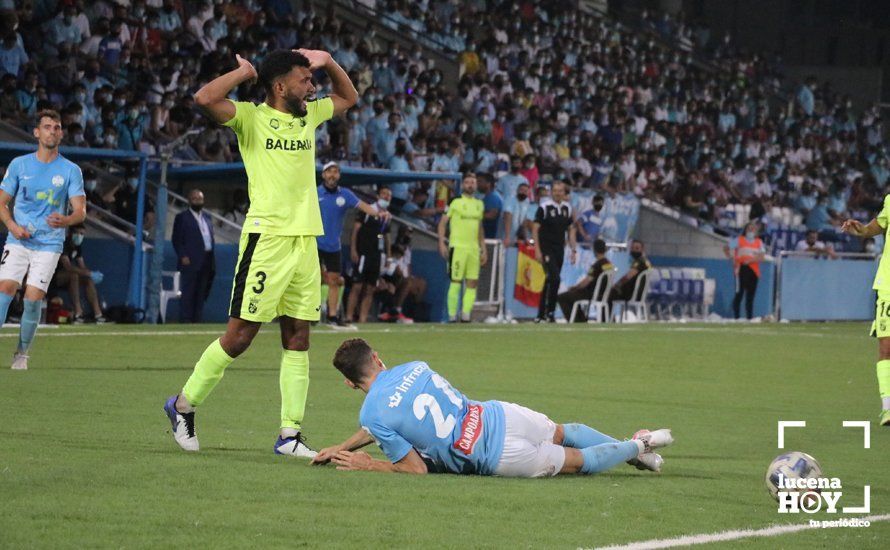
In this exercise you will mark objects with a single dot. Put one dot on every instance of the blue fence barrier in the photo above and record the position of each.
(826, 290)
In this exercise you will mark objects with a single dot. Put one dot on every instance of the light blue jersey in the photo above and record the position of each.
(410, 406)
(40, 189)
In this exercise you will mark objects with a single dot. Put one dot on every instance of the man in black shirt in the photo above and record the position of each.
(553, 218)
(72, 273)
(623, 289)
(368, 246)
(583, 289)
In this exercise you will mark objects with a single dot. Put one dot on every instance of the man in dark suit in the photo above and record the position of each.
(193, 242)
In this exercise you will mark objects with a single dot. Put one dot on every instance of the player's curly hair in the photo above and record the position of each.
(278, 63)
(352, 359)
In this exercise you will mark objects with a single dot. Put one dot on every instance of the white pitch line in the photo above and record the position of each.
(688, 540)
(445, 329)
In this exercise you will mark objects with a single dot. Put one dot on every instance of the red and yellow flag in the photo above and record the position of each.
(529, 276)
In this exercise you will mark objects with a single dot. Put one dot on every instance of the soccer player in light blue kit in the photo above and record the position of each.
(42, 184)
(423, 425)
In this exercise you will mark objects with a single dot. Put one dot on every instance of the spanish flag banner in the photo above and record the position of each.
(529, 276)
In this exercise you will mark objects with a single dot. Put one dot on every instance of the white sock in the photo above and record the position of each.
(640, 445)
(885, 402)
(289, 432)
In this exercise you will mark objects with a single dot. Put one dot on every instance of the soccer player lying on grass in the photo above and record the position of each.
(423, 425)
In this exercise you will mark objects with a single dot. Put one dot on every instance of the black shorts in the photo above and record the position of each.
(367, 270)
(330, 261)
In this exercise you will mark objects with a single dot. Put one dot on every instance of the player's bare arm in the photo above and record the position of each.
(78, 214)
(6, 217)
(536, 227)
(362, 461)
(211, 98)
(369, 210)
(443, 226)
(356, 441)
(343, 93)
(858, 229)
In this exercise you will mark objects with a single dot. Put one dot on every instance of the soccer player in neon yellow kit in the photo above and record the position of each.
(465, 251)
(880, 328)
(277, 274)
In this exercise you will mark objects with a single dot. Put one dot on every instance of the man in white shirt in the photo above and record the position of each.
(813, 245)
(193, 241)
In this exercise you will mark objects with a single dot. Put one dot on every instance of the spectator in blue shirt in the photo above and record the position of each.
(493, 203)
(399, 163)
(110, 49)
(385, 140)
(591, 220)
(516, 215)
(130, 129)
(169, 21)
(63, 29)
(509, 183)
(805, 97)
(12, 56)
(818, 218)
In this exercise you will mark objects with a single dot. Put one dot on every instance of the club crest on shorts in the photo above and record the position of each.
(253, 305)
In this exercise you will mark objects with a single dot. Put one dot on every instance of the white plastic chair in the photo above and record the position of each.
(173, 293)
(601, 287)
(637, 301)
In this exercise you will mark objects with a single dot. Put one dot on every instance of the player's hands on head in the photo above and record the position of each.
(325, 455)
(349, 461)
(56, 220)
(247, 67)
(20, 232)
(318, 59)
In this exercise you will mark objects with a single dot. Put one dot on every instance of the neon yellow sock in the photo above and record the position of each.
(294, 382)
(208, 371)
(469, 300)
(883, 369)
(453, 298)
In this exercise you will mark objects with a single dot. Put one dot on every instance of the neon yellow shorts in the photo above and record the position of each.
(276, 275)
(880, 327)
(463, 263)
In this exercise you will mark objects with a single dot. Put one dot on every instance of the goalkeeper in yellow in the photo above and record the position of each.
(465, 251)
(277, 273)
(881, 325)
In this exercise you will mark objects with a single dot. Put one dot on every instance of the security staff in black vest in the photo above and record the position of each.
(552, 220)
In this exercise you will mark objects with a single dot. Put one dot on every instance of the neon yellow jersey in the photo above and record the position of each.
(464, 216)
(882, 277)
(278, 150)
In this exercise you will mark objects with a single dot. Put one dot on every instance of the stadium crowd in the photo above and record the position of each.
(564, 95)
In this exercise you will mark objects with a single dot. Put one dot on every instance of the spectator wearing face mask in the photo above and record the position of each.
(517, 209)
(130, 129)
(746, 252)
(126, 200)
(811, 243)
(193, 241)
(591, 220)
(494, 205)
(73, 273)
(12, 55)
(508, 184)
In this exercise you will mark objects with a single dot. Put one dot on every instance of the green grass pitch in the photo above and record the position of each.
(86, 459)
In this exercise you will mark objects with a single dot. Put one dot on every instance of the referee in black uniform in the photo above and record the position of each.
(553, 218)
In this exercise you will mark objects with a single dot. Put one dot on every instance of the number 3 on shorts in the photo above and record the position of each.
(260, 282)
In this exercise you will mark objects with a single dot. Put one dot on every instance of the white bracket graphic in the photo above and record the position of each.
(788, 424)
(866, 430)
